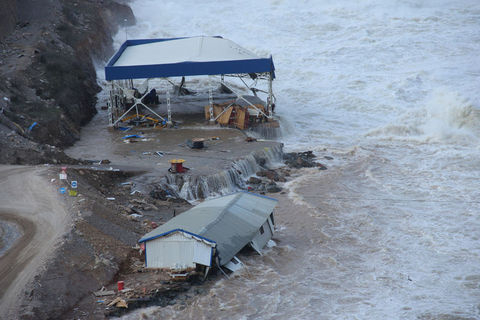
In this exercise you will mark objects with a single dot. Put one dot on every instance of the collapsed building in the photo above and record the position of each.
(211, 233)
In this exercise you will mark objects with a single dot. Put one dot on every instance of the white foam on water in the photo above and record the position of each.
(390, 90)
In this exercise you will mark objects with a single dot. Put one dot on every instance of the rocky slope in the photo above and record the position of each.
(47, 54)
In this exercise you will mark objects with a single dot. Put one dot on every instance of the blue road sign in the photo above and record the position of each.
(74, 184)
(62, 190)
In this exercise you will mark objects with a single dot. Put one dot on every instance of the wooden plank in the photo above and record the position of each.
(240, 118)
(224, 119)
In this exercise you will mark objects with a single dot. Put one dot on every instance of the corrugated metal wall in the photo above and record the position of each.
(177, 251)
(260, 239)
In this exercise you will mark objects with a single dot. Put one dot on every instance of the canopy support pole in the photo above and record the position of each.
(169, 109)
(270, 95)
(224, 110)
(210, 100)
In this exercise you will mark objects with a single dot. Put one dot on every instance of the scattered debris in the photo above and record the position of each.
(195, 143)
(135, 216)
(110, 198)
(105, 161)
(250, 139)
(159, 153)
(143, 205)
(33, 125)
(120, 285)
(104, 292)
(130, 136)
(118, 302)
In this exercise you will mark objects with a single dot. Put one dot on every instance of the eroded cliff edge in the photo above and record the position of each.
(48, 50)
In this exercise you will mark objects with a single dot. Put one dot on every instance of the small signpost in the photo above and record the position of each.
(62, 190)
(73, 191)
(63, 173)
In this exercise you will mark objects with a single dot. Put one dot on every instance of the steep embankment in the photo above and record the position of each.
(47, 50)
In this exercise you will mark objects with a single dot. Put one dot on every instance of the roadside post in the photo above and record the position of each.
(73, 191)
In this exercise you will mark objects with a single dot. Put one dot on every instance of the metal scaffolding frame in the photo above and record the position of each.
(122, 93)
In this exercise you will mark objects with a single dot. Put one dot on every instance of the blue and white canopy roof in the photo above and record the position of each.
(159, 58)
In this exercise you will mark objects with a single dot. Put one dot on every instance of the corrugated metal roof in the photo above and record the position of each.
(231, 221)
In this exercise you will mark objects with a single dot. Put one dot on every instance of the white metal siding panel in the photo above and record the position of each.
(202, 253)
(272, 226)
(174, 252)
(260, 240)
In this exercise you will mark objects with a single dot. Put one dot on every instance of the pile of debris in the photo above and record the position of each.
(234, 114)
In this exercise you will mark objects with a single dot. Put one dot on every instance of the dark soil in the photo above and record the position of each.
(47, 54)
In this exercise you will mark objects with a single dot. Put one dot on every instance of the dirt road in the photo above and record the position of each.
(28, 199)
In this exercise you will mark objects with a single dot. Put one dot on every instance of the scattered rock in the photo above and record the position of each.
(254, 180)
(271, 175)
(321, 166)
(261, 161)
(272, 188)
(300, 159)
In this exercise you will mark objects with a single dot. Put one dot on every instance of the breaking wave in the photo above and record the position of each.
(445, 117)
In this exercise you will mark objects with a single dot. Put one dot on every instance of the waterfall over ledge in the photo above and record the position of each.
(196, 187)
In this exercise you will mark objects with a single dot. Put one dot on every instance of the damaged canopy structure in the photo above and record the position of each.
(177, 57)
(180, 57)
(220, 227)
